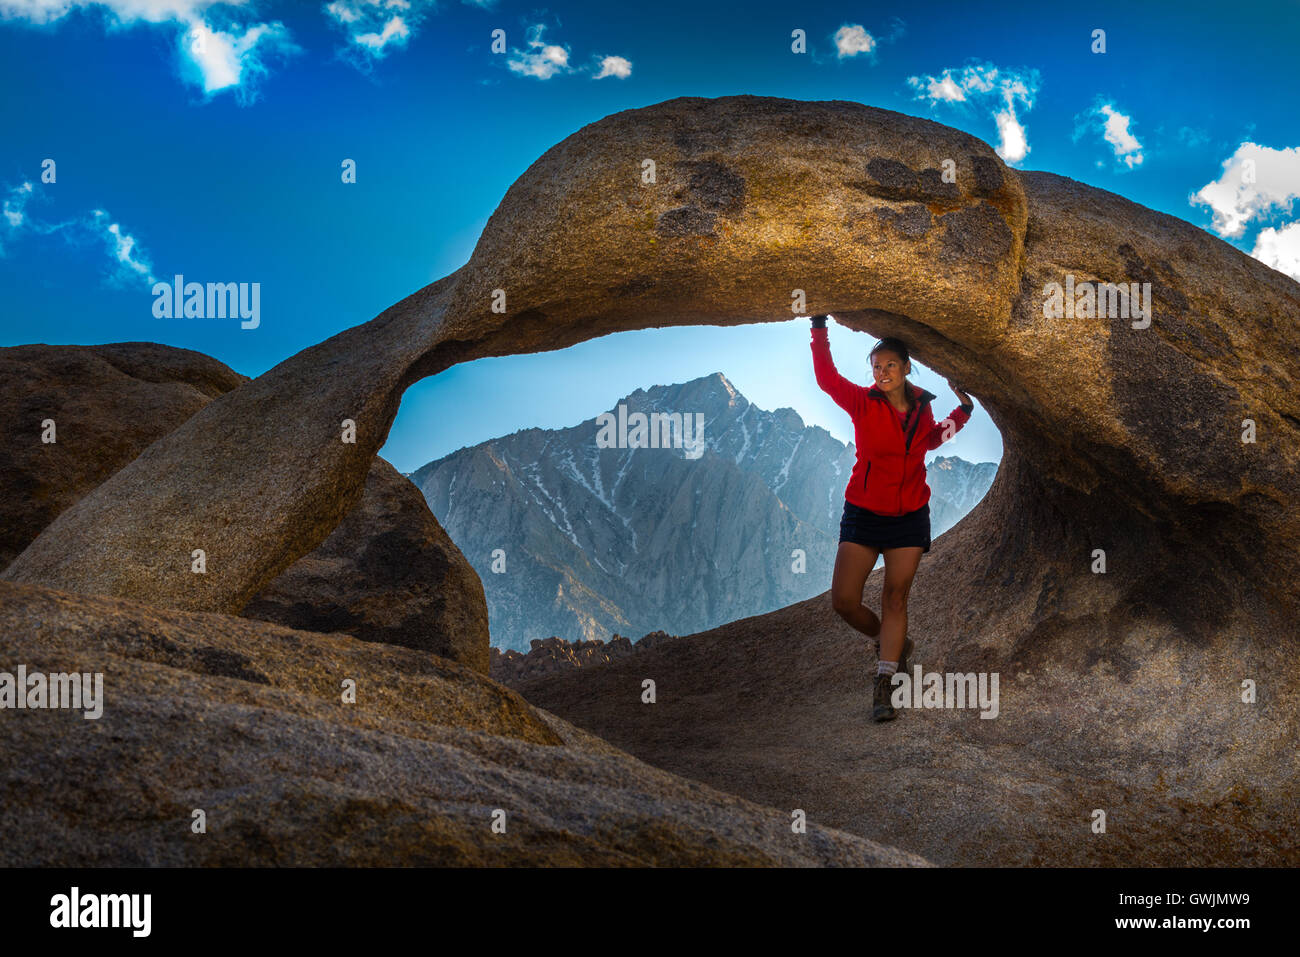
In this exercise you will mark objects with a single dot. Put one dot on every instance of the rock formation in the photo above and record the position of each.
(387, 573)
(1124, 439)
(107, 404)
(1134, 562)
(246, 721)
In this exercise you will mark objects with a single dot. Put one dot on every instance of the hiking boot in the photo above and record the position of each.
(881, 709)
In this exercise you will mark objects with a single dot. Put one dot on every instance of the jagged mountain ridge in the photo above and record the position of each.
(592, 538)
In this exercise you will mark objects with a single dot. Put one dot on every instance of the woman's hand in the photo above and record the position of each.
(961, 393)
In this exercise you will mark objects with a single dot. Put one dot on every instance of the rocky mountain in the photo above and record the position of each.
(580, 541)
(956, 487)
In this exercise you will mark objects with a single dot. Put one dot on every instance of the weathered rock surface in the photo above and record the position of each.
(108, 404)
(387, 573)
(1097, 710)
(245, 720)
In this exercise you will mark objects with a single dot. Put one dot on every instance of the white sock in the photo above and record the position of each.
(886, 668)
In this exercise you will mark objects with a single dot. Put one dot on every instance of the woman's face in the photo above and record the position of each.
(889, 370)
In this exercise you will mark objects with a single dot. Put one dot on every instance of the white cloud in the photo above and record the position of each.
(394, 30)
(614, 66)
(541, 60)
(15, 205)
(852, 40)
(1256, 180)
(1013, 143)
(121, 246)
(1280, 249)
(223, 59)
(217, 52)
(953, 86)
(1127, 148)
(130, 263)
(1114, 127)
(375, 26)
(945, 88)
(342, 13)
(983, 83)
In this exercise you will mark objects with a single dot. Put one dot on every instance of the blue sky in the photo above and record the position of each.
(207, 139)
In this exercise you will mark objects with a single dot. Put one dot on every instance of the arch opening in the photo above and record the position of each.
(581, 539)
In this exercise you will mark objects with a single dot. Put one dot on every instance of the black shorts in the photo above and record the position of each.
(865, 527)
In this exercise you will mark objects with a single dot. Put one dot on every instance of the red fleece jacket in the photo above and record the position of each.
(889, 475)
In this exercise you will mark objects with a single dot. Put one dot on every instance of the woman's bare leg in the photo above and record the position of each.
(900, 568)
(853, 563)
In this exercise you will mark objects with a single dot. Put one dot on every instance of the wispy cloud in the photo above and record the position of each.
(15, 208)
(377, 27)
(542, 61)
(129, 263)
(987, 86)
(1114, 127)
(217, 51)
(121, 245)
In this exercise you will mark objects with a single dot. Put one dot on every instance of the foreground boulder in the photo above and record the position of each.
(388, 572)
(108, 403)
(245, 721)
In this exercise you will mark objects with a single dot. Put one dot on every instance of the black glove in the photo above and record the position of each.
(819, 322)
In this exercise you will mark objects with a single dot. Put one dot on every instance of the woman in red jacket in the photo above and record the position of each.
(886, 503)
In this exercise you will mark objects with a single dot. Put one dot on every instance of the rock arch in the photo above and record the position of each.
(1116, 438)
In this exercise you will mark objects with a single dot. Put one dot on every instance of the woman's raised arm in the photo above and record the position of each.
(846, 394)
